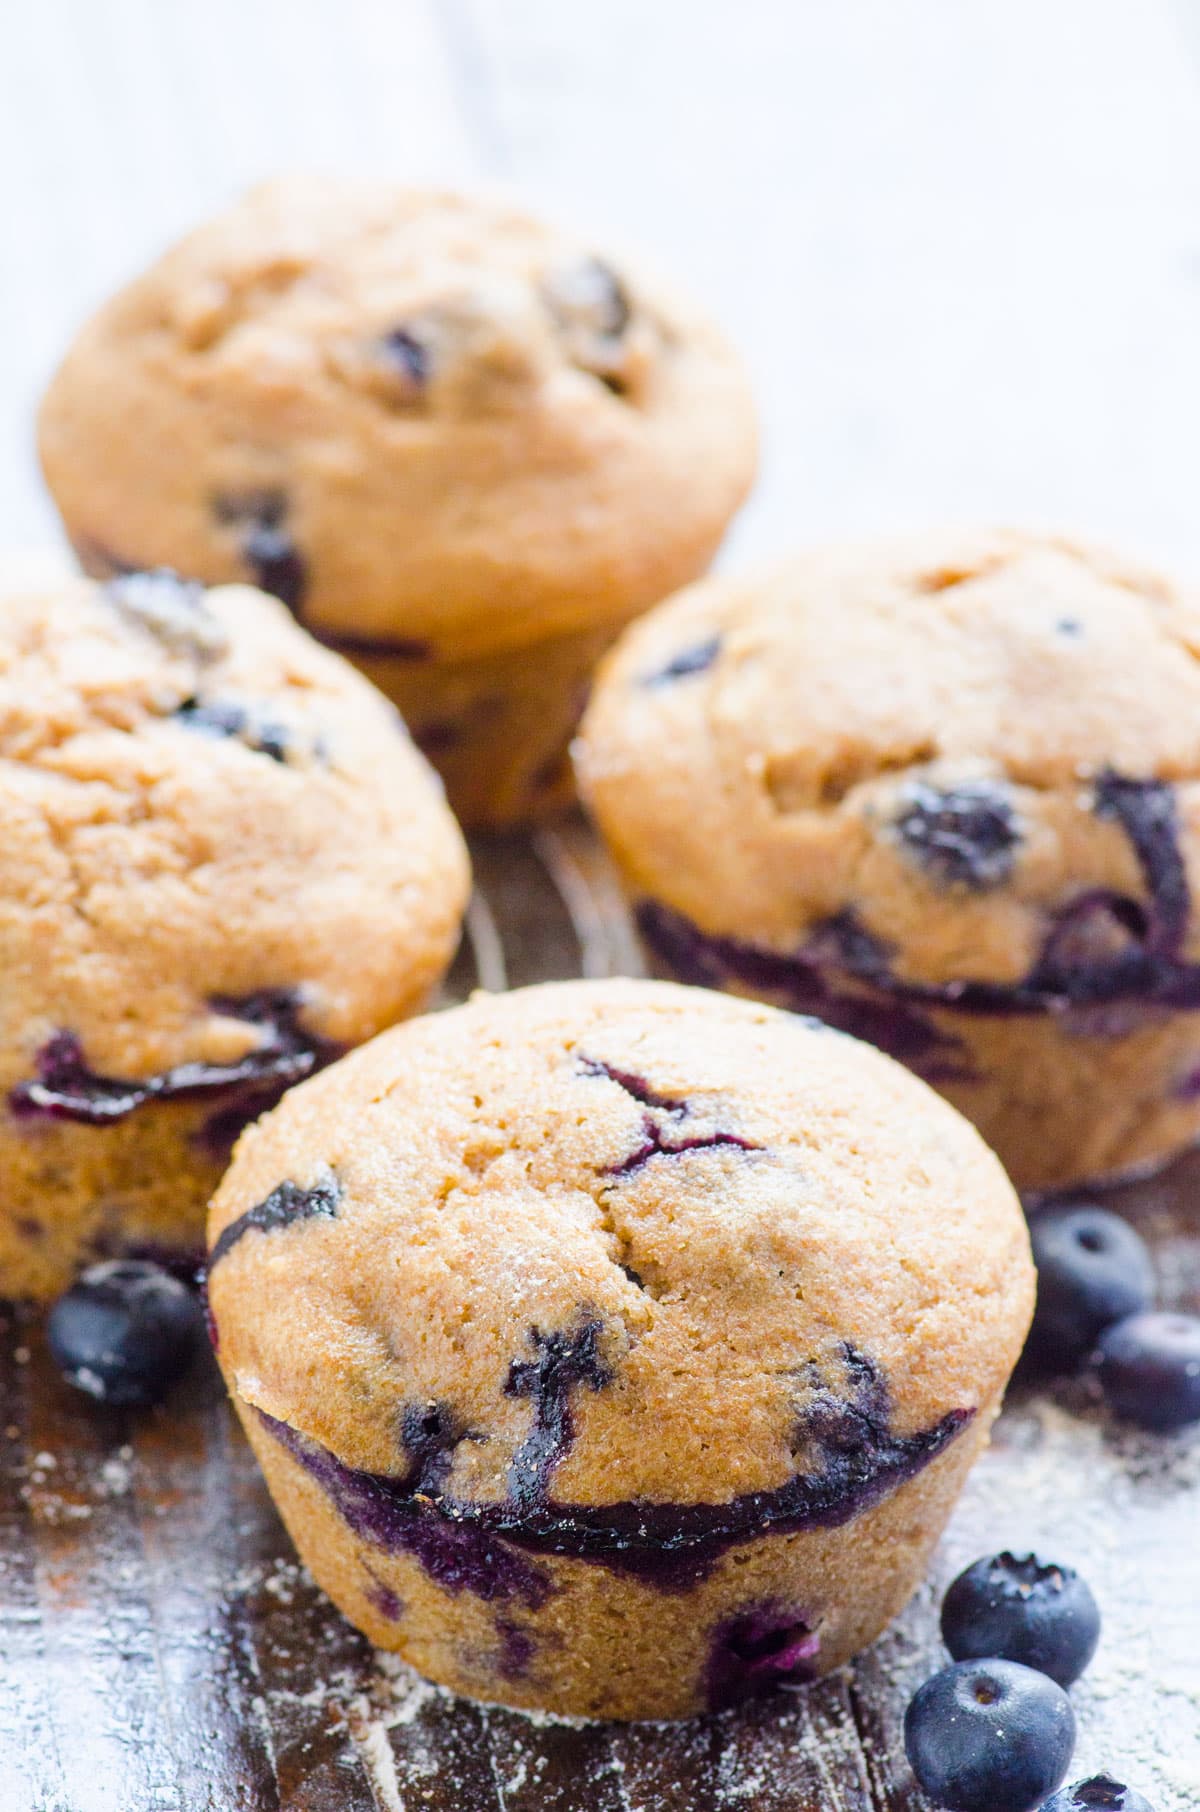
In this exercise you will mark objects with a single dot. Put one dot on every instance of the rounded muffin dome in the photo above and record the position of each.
(433, 425)
(614, 1300)
(945, 793)
(223, 862)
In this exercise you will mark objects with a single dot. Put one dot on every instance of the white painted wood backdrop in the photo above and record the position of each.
(958, 240)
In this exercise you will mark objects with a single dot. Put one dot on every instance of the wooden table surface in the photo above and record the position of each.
(960, 245)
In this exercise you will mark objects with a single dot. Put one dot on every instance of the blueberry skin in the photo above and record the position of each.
(1021, 1609)
(989, 1736)
(1099, 1793)
(1093, 1269)
(124, 1332)
(1149, 1369)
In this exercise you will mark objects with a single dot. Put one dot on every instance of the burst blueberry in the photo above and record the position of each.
(1019, 1608)
(965, 836)
(591, 296)
(989, 1736)
(1099, 1793)
(1093, 1269)
(1149, 1369)
(408, 357)
(124, 1332)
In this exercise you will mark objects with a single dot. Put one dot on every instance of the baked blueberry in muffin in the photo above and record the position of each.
(899, 794)
(223, 864)
(616, 1306)
(460, 446)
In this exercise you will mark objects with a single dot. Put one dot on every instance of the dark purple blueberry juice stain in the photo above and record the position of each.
(855, 1459)
(265, 543)
(1100, 949)
(66, 1088)
(663, 1123)
(287, 1203)
(437, 737)
(398, 1516)
(1145, 811)
(382, 1598)
(223, 718)
(804, 984)
(634, 1085)
(379, 647)
(757, 1651)
(561, 1361)
(277, 564)
(965, 836)
(686, 663)
(517, 1649)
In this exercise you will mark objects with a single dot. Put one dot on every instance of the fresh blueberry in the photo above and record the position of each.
(1099, 1793)
(124, 1332)
(966, 836)
(989, 1736)
(1019, 1608)
(1149, 1369)
(1093, 1269)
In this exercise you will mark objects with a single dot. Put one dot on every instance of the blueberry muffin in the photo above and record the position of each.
(221, 863)
(614, 1347)
(944, 794)
(459, 445)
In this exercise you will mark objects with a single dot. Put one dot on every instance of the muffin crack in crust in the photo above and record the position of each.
(663, 1125)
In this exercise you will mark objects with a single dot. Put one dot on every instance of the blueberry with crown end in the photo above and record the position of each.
(1149, 1369)
(989, 1736)
(1093, 1269)
(1018, 1608)
(124, 1332)
(1099, 1793)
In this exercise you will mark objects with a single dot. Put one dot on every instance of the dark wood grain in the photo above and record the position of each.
(161, 1651)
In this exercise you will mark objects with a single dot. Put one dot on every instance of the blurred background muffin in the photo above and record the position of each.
(462, 447)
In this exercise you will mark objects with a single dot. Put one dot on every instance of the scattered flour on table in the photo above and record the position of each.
(1059, 1479)
(1066, 1484)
